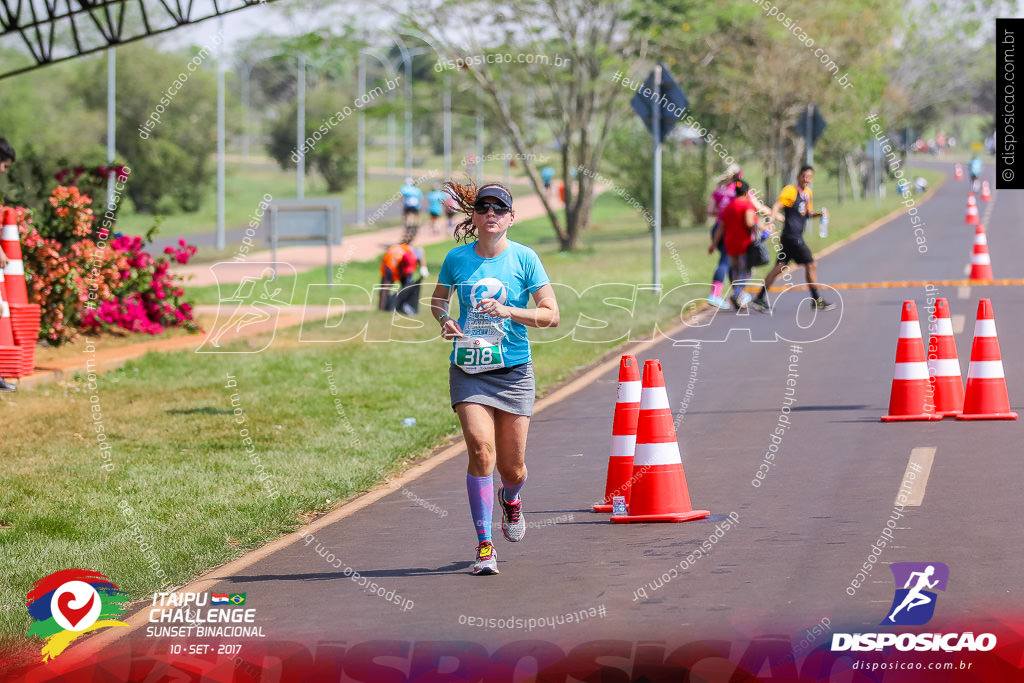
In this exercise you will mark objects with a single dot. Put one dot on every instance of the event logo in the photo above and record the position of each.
(914, 603)
(68, 603)
(487, 288)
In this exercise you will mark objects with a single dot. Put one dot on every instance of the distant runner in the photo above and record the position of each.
(412, 197)
(436, 200)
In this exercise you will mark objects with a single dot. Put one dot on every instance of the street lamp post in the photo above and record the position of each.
(361, 154)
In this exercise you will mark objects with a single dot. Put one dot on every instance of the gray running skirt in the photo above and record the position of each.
(509, 389)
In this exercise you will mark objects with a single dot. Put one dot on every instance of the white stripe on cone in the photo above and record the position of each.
(985, 327)
(623, 445)
(9, 233)
(657, 454)
(985, 369)
(915, 370)
(629, 392)
(980, 238)
(653, 398)
(981, 259)
(943, 367)
(14, 267)
(910, 329)
(942, 327)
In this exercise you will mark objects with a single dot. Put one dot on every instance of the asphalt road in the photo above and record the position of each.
(802, 535)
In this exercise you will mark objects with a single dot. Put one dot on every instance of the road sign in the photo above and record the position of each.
(668, 99)
(812, 117)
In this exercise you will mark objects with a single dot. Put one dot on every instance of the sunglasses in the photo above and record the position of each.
(482, 208)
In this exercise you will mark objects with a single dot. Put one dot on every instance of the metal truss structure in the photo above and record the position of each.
(57, 30)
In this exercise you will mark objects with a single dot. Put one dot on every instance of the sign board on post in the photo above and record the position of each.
(304, 221)
(660, 103)
(666, 98)
(810, 125)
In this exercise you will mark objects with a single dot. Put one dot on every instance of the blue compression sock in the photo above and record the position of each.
(481, 501)
(511, 491)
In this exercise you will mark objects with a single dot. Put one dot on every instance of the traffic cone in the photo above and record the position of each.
(6, 329)
(659, 492)
(972, 210)
(986, 191)
(909, 397)
(958, 172)
(947, 383)
(986, 397)
(627, 410)
(14, 271)
(981, 264)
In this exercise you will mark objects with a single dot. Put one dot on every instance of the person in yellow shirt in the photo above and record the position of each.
(793, 207)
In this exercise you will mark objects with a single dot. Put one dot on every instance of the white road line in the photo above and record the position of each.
(963, 292)
(916, 475)
(958, 320)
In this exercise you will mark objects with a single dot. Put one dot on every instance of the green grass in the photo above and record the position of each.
(179, 459)
(244, 188)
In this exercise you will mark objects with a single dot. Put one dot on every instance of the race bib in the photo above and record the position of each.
(478, 354)
(412, 202)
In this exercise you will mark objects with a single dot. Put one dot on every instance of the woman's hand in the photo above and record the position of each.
(450, 329)
(493, 308)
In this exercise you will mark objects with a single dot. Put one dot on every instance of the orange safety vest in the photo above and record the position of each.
(393, 258)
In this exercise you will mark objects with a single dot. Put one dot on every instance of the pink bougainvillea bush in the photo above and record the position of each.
(89, 280)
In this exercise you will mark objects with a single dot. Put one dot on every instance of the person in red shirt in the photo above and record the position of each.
(738, 229)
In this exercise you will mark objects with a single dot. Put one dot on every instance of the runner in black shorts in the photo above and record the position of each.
(793, 207)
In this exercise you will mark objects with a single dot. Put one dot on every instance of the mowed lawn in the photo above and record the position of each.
(324, 419)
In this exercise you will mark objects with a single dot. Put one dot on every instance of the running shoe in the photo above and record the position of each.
(760, 303)
(486, 559)
(820, 304)
(513, 525)
(718, 301)
(742, 300)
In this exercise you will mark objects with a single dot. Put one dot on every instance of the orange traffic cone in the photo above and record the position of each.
(627, 410)
(947, 383)
(986, 191)
(14, 272)
(972, 210)
(981, 264)
(6, 329)
(909, 397)
(958, 172)
(659, 492)
(986, 397)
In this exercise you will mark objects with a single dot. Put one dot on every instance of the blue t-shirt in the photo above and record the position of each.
(412, 196)
(975, 166)
(547, 173)
(436, 199)
(510, 278)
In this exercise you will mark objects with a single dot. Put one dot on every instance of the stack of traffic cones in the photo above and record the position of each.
(986, 397)
(659, 492)
(627, 411)
(981, 263)
(986, 191)
(944, 375)
(972, 210)
(17, 357)
(909, 397)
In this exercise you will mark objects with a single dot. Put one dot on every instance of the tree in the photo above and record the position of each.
(170, 159)
(575, 45)
(331, 149)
